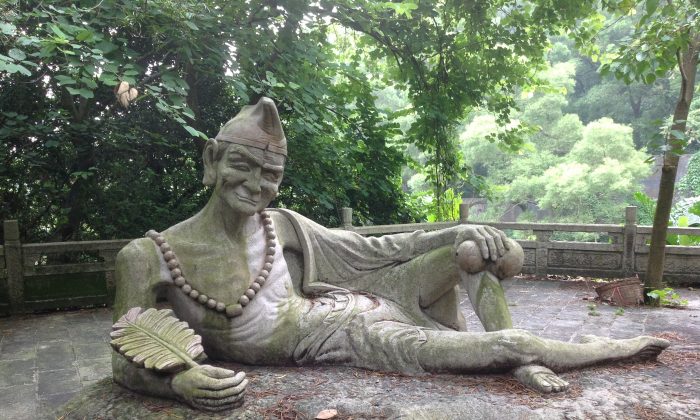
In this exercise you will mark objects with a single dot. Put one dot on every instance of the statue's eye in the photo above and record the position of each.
(270, 176)
(241, 166)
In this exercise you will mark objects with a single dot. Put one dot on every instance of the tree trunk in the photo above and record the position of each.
(688, 65)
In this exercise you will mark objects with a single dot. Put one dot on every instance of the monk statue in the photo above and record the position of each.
(271, 287)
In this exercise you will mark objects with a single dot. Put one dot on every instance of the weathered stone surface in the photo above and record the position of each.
(619, 391)
(678, 378)
(388, 304)
(571, 258)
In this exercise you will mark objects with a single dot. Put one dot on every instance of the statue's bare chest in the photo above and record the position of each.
(220, 273)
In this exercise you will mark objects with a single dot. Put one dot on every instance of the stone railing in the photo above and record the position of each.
(57, 275)
(78, 274)
(624, 254)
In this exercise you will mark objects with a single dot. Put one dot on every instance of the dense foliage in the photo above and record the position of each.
(75, 164)
(105, 106)
(578, 163)
(567, 171)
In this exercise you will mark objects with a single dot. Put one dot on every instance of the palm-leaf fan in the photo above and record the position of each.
(156, 340)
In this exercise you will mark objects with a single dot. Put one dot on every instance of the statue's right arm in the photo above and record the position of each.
(137, 276)
(138, 279)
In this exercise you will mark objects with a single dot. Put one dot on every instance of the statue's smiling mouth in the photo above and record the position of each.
(246, 199)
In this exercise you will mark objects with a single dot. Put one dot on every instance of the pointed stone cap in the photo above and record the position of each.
(257, 126)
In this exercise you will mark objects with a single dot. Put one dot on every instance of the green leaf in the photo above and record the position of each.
(671, 239)
(84, 35)
(194, 132)
(651, 6)
(191, 25)
(64, 80)
(695, 209)
(23, 70)
(15, 68)
(17, 54)
(58, 32)
(677, 134)
(401, 8)
(89, 83)
(85, 93)
(156, 340)
(109, 79)
(106, 47)
(7, 28)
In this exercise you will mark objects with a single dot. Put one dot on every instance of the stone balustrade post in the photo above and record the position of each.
(542, 251)
(346, 218)
(15, 267)
(629, 241)
(110, 257)
(463, 213)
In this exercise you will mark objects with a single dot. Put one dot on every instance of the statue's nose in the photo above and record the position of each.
(253, 182)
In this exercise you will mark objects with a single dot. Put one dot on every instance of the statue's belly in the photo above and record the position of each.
(267, 331)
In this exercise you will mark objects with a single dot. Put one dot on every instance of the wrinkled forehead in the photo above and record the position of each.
(261, 157)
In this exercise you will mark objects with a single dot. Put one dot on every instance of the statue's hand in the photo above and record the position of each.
(491, 242)
(210, 388)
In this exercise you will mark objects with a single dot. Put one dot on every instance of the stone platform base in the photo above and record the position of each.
(664, 389)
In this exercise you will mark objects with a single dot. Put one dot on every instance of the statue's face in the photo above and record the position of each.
(247, 178)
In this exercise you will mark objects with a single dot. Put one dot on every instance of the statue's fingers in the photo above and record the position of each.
(480, 241)
(491, 244)
(213, 403)
(497, 239)
(215, 408)
(219, 373)
(217, 384)
(504, 239)
(223, 392)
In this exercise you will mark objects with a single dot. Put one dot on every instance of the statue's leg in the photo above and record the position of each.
(481, 279)
(502, 348)
(438, 273)
(489, 302)
(437, 276)
(452, 351)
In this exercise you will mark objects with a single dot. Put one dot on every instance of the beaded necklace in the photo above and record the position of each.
(230, 309)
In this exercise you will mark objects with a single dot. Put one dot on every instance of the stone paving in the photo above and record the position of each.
(45, 360)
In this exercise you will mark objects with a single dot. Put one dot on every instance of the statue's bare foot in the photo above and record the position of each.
(637, 349)
(540, 379)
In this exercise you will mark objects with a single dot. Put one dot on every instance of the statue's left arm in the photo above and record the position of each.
(491, 242)
(350, 254)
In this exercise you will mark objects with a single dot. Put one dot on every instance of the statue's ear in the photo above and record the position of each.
(209, 158)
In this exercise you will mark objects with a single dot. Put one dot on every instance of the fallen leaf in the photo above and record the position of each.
(326, 414)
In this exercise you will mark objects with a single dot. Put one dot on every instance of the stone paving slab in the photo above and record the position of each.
(47, 360)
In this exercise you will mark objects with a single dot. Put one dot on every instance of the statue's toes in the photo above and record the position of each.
(549, 382)
(558, 384)
(649, 348)
(540, 379)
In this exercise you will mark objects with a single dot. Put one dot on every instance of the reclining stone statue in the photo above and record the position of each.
(271, 287)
